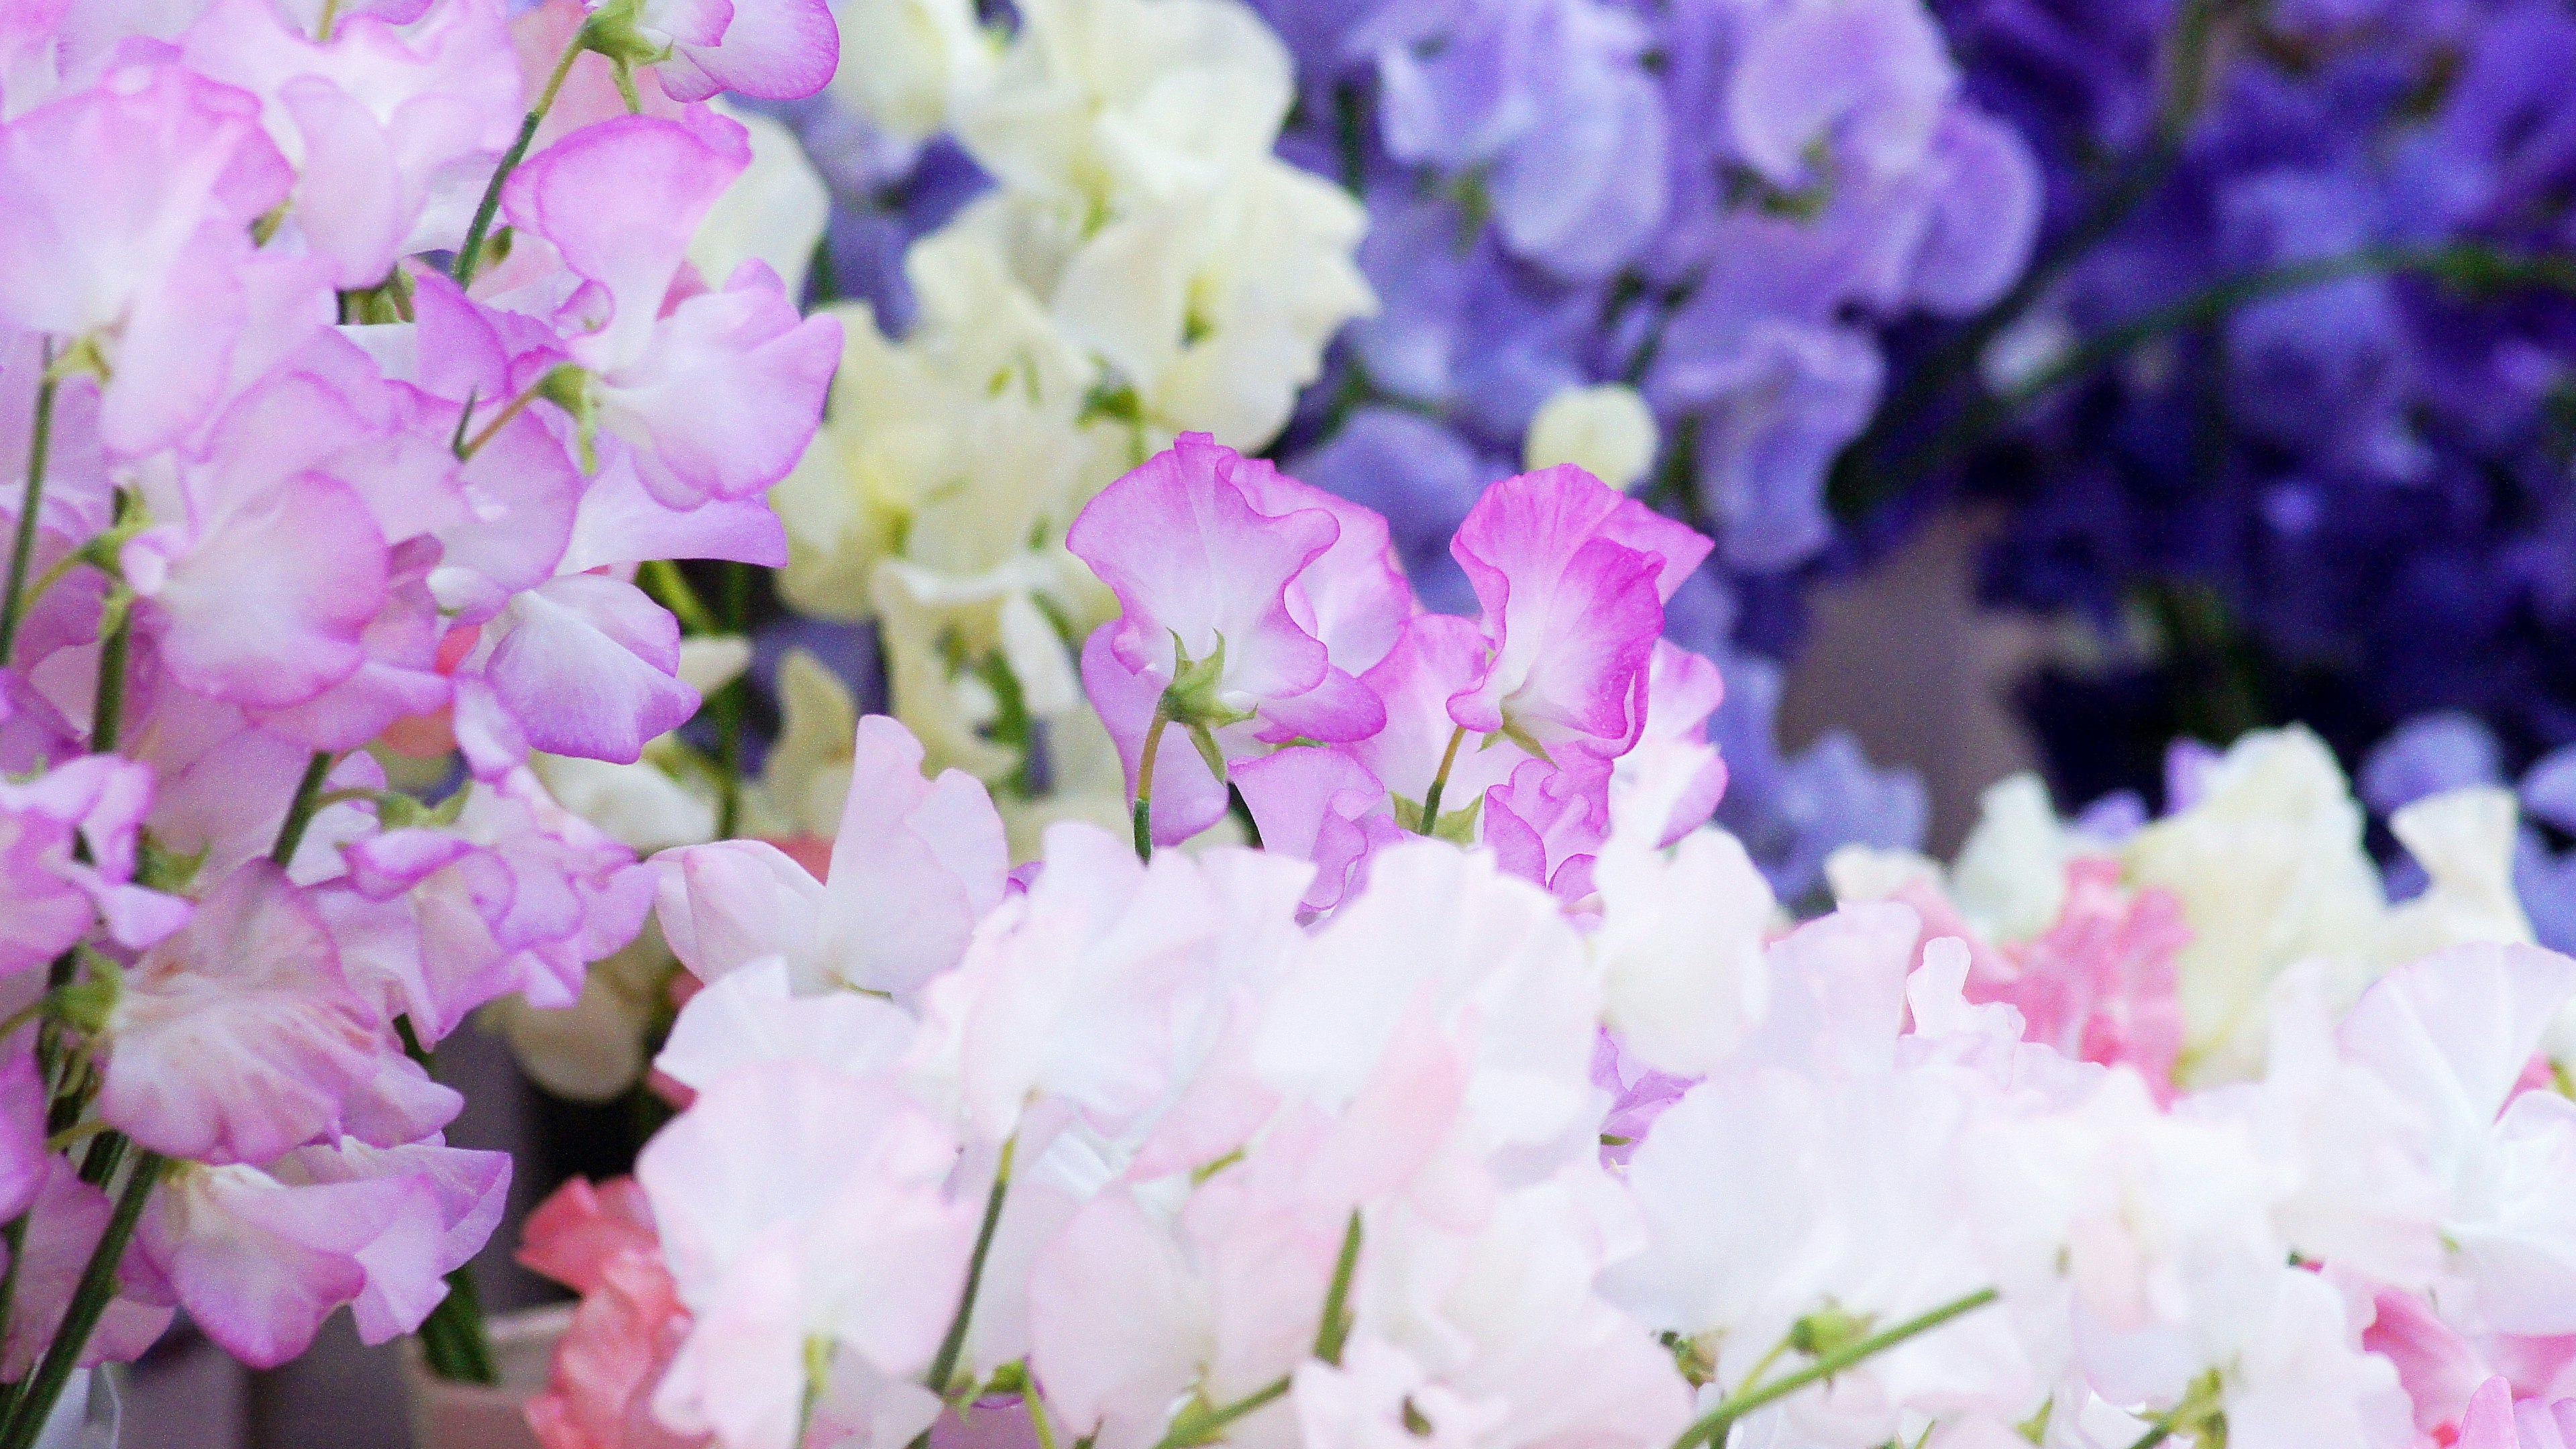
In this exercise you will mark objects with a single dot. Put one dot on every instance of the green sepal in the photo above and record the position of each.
(86, 1004)
(567, 386)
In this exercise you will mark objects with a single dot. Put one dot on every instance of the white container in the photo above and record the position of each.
(448, 1415)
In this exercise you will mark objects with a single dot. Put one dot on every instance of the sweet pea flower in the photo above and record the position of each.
(517, 895)
(1210, 636)
(391, 130)
(51, 893)
(260, 1257)
(771, 50)
(238, 1038)
(2495, 1420)
(125, 214)
(718, 391)
(1573, 578)
(915, 864)
(600, 1242)
(850, 1240)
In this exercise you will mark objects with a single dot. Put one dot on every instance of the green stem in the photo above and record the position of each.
(107, 714)
(1145, 779)
(1440, 782)
(470, 255)
(452, 1339)
(663, 579)
(731, 704)
(2471, 265)
(22, 552)
(1712, 1428)
(943, 1366)
(1192, 1429)
(89, 1302)
(300, 811)
(516, 406)
(1335, 1330)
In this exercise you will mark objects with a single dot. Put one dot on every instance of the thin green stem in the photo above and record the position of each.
(1036, 1404)
(1440, 782)
(1335, 1330)
(107, 714)
(1194, 1428)
(731, 704)
(1145, 779)
(943, 1366)
(89, 1301)
(1712, 1427)
(470, 255)
(300, 811)
(516, 406)
(330, 13)
(22, 552)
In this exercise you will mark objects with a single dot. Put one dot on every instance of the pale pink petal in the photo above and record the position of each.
(238, 1038)
(915, 865)
(587, 668)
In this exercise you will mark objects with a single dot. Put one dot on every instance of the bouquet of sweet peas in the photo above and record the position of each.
(349, 375)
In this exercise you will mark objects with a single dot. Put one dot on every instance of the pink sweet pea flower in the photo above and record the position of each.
(238, 1038)
(846, 1236)
(773, 50)
(49, 895)
(1321, 805)
(600, 1243)
(125, 214)
(382, 123)
(63, 1229)
(262, 595)
(1547, 822)
(260, 1257)
(717, 391)
(1573, 576)
(916, 863)
(2100, 985)
(1213, 623)
(519, 895)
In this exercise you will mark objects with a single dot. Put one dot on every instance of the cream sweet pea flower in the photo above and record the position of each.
(924, 57)
(774, 212)
(2270, 870)
(1101, 105)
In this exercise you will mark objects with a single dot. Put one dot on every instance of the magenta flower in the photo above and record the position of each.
(774, 50)
(1573, 576)
(519, 895)
(1216, 631)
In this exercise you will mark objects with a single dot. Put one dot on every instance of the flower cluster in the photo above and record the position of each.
(1718, 204)
(1142, 266)
(350, 371)
(2304, 352)
(2112, 1133)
